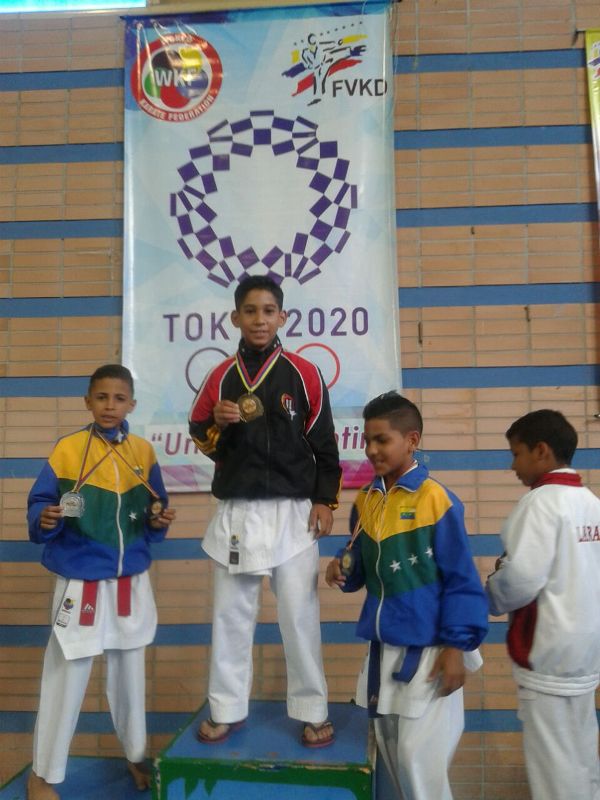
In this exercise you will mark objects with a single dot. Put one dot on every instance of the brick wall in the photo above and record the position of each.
(497, 268)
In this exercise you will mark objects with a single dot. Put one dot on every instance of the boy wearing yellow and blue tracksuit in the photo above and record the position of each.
(97, 505)
(425, 611)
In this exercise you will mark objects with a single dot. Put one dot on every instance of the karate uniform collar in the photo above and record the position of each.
(410, 481)
(563, 477)
(114, 435)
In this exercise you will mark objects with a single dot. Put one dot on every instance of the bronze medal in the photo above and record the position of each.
(155, 510)
(347, 562)
(250, 407)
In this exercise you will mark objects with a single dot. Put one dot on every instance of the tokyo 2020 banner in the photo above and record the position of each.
(258, 142)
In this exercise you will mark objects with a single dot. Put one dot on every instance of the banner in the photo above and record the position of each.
(592, 50)
(258, 142)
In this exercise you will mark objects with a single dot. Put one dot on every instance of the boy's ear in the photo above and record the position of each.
(414, 437)
(86, 400)
(235, 318)
(543, 451)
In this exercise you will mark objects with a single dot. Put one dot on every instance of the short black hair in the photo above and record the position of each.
(547, 426)
(112, 371)
(257, 282)
(402, 414)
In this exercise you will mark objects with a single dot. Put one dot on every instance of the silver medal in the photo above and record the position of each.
(72, 504)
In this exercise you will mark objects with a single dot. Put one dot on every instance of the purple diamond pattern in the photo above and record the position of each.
(200, 234)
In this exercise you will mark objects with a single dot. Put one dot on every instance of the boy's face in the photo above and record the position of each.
(390, 451)
(109, 400)
(258, 318)
(529, 465)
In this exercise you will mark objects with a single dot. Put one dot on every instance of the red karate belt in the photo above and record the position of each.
(89, 599)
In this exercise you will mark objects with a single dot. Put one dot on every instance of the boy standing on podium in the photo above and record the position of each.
(263, 417)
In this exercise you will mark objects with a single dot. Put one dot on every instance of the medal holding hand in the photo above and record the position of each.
(226, 412)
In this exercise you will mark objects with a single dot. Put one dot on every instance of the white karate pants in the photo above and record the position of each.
(560, 740)
(63, 689)
(236, 603)
(417, 752)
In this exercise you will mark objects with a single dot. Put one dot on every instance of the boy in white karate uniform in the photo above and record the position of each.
(97, 504)
(548, 580)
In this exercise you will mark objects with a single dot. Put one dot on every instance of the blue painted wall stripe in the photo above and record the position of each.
(405, 218)
(403, 140)
(497, 295)
(169, 722)
(496, 377)
(493, 137)
(61, 307)
(412, 378)
(62, 153)
(62, 229)
(61, 79)
(403, 65)
(174, 549)
(490, 62)
(436, 460)
(199, 634)
(496, 215)
(419, 297)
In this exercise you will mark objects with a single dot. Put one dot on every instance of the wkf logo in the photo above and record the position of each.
(177, 78)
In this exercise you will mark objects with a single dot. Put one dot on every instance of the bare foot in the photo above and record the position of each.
(141, 775)
(38, 789)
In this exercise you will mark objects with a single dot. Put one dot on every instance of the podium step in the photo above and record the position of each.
(265, 760)
(86, 779)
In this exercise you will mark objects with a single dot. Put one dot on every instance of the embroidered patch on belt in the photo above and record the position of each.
(407, 513)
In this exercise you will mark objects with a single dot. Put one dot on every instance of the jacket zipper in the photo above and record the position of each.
(118, 520)
(381, 585)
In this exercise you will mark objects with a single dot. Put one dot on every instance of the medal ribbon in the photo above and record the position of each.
(253, 384)
(82, 479)
(358, 526)
(141, 479)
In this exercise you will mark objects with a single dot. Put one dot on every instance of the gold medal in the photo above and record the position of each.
(250, 407)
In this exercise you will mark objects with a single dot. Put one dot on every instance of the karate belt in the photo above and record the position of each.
(89, 596)
(405, 674)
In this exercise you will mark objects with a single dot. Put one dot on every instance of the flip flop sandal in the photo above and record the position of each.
(230, 727)
(323, 742)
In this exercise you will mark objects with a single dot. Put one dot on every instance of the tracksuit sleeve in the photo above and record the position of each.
(464, 610)
(44, 492)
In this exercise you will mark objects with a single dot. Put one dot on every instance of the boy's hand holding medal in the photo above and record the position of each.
(226, 412)
(163, 518)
